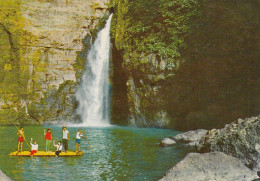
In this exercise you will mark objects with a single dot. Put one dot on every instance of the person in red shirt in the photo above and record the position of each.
(48, 138)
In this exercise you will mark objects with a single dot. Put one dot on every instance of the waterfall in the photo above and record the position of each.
(93, 93)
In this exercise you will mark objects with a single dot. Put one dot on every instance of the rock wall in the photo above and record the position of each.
(48, 58)
(142, 88)
(59, 27)
(149, 53)
(145, 102)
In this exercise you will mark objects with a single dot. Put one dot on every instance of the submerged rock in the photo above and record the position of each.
(167, 142)
(3, 177)
(240, 139)
(209, 166)
(191, 138)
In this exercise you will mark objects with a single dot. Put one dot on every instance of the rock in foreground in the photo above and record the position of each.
(240, 139)
(209, 166)
(192, 137)
(3, 177)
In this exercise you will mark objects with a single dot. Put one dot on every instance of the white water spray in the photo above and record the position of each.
(93, 93)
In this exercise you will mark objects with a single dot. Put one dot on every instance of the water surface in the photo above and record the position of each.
(119, 153)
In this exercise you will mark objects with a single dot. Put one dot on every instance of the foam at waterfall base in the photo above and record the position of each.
(90, 125)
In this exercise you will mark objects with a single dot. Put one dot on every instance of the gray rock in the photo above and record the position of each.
(209, 166)
(240, 139)
(3, 177)
(192, 137)
(167, 142)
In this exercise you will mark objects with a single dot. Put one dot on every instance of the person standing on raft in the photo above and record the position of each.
(65, 138)
(58, 148)
(78, 135)
(47, 139)
(34, 148)
(21, 139)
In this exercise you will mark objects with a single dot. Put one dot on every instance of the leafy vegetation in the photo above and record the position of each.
(154, 26)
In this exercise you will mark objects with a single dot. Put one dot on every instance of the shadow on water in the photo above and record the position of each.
(119, 153)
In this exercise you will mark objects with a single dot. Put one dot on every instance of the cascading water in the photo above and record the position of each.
(93, 93)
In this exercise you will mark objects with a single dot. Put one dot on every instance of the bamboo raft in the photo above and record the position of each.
(47, 154)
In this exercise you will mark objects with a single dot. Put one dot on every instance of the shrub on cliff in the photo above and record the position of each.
(153, 26)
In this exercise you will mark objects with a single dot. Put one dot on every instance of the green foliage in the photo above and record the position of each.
(7, 114)
(152, 26)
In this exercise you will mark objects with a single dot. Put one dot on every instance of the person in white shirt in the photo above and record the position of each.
(34, 148)
(65, 138)
(58, 148)
(78, 135)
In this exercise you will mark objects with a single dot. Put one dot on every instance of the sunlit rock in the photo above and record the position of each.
(3, 177)
(167, 142)
(209, 166)
(191, 138)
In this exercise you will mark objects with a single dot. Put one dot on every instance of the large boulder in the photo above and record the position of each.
(191, 138)
(240, 139)
(209, 166)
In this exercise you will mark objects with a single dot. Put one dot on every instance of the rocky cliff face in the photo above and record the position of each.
(49, 59)
(146, 57)
(167, 72)
(143, 91)
(144, 99)
(59, 27)
(176, 55)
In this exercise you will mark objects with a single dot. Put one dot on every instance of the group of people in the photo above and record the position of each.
(48, 141)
